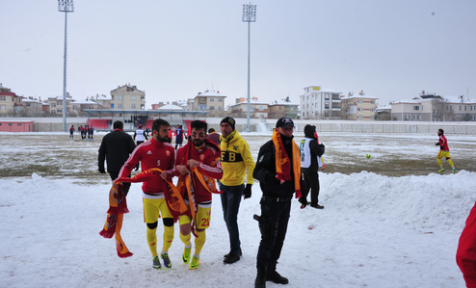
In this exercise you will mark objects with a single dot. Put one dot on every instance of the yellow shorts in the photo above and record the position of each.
(203, 217)
(443, 154)
(154, 208)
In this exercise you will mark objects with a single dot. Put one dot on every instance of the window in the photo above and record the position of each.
(372, 101)
(211, 107)
(220, 99)
(112, 97)
(361, 117)
(361, 109)
(53, 112)
(119, 106)
(361, 101)
(75, 107)
(133, 106)
(459, 108)
(60, 103)
(3, 107)
(470, 108)
(220, 108)
(112, 105)
(465, 107)
(372, 109)
(434, 111)
(416, 108)
(451, 107)
(133, 97)
(327, 106)
(326, 96)
(53, 105)
(372, 117)
(261, 108)
(28, 104)
(420, 117)
(119, 97)
(212, 99)
(4, 98)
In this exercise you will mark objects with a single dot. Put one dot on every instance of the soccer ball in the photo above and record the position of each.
(368, 156)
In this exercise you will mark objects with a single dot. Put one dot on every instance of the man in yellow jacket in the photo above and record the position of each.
(237, 163)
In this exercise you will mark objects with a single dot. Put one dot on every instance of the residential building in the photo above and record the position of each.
(55, 104)
(432, 107)
(211, 101)
(277, 110)
(359, 107)
(127, 97)
(32, 107)
(10, 103)
(257, 109)
(320, 103)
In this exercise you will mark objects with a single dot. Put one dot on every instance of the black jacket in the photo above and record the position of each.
(316, 149)
(265, 170)
(115, 148)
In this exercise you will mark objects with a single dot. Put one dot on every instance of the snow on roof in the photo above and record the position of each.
(31, 100)
(170, 107)
(84, 101)
(251, 103)
(457, 99)
(359, 97)
(284, 103)
(385, 107)
(324, 89)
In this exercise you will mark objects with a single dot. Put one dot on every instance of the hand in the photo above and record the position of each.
(247, 191)
(193, 163)
(437, 144)
(163, 175)
(182, 169)
(101, 170)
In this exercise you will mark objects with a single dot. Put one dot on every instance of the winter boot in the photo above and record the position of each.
(260, 281)
(272, 275)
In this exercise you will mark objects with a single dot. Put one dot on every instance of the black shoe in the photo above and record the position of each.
(232, 258)
(317, 206)
(274, 276)
(228, 254)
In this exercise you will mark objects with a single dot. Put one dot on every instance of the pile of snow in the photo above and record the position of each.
(375, 231)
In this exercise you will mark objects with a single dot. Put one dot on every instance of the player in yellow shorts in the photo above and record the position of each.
(444, 152)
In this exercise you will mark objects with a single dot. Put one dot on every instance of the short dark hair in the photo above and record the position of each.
(118, 125)
(159, 122)
(442, 132)
(199, 124)
(211, 130)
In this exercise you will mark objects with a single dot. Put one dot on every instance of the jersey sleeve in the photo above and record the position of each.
(131, 163)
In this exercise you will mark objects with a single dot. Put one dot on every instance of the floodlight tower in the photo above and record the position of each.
(65, 6)
(249, 15)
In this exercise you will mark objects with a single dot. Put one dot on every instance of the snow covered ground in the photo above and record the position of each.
(375, 231)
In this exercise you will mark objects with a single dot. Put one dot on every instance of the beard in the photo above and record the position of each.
(198, 142)
(163, 139)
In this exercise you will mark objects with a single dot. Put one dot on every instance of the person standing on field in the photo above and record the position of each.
(444, 152)
(311, 152)
(237, 163)
(115, 149)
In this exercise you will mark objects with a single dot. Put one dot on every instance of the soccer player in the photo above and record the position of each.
(156, 153)
(71, 131)
(444, 152)
(198, 164)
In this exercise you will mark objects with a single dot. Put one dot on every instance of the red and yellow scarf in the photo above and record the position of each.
(118, 206)
(283, 164)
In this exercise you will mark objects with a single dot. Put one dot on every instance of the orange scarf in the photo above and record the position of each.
(283, 164)
(118, 206)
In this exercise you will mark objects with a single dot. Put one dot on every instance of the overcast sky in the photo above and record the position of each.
(174, 49)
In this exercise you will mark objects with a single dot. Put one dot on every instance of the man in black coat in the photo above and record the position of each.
(276, 200)
(311, 152)
(115, 149)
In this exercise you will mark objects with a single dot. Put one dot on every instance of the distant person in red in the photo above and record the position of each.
(71, 131)
(213, 136)
(444, 152)
(466, 253)
(169, 140)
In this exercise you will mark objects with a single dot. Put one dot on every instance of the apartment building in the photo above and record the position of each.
(257, 109)
(320, 103)
(277, 110)
(358, 107)
(32, 107)
(55, 104)
(127, 97)
(10, 103)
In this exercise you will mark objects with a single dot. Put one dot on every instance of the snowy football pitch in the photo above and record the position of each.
(389, 221)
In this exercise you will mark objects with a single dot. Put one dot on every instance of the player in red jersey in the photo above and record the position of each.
(444, 152)
(198, 164)
(156, 153)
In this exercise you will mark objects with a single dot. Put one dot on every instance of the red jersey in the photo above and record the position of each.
(443, 143)
(151, 154)
(209, 157)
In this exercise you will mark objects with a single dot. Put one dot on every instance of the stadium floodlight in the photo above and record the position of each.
(249, 15)
(65, 6)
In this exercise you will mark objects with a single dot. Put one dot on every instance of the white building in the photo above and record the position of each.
(320, 103)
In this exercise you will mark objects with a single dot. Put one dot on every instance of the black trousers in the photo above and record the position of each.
(276, 216)
(114, 175)
(311, 182)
